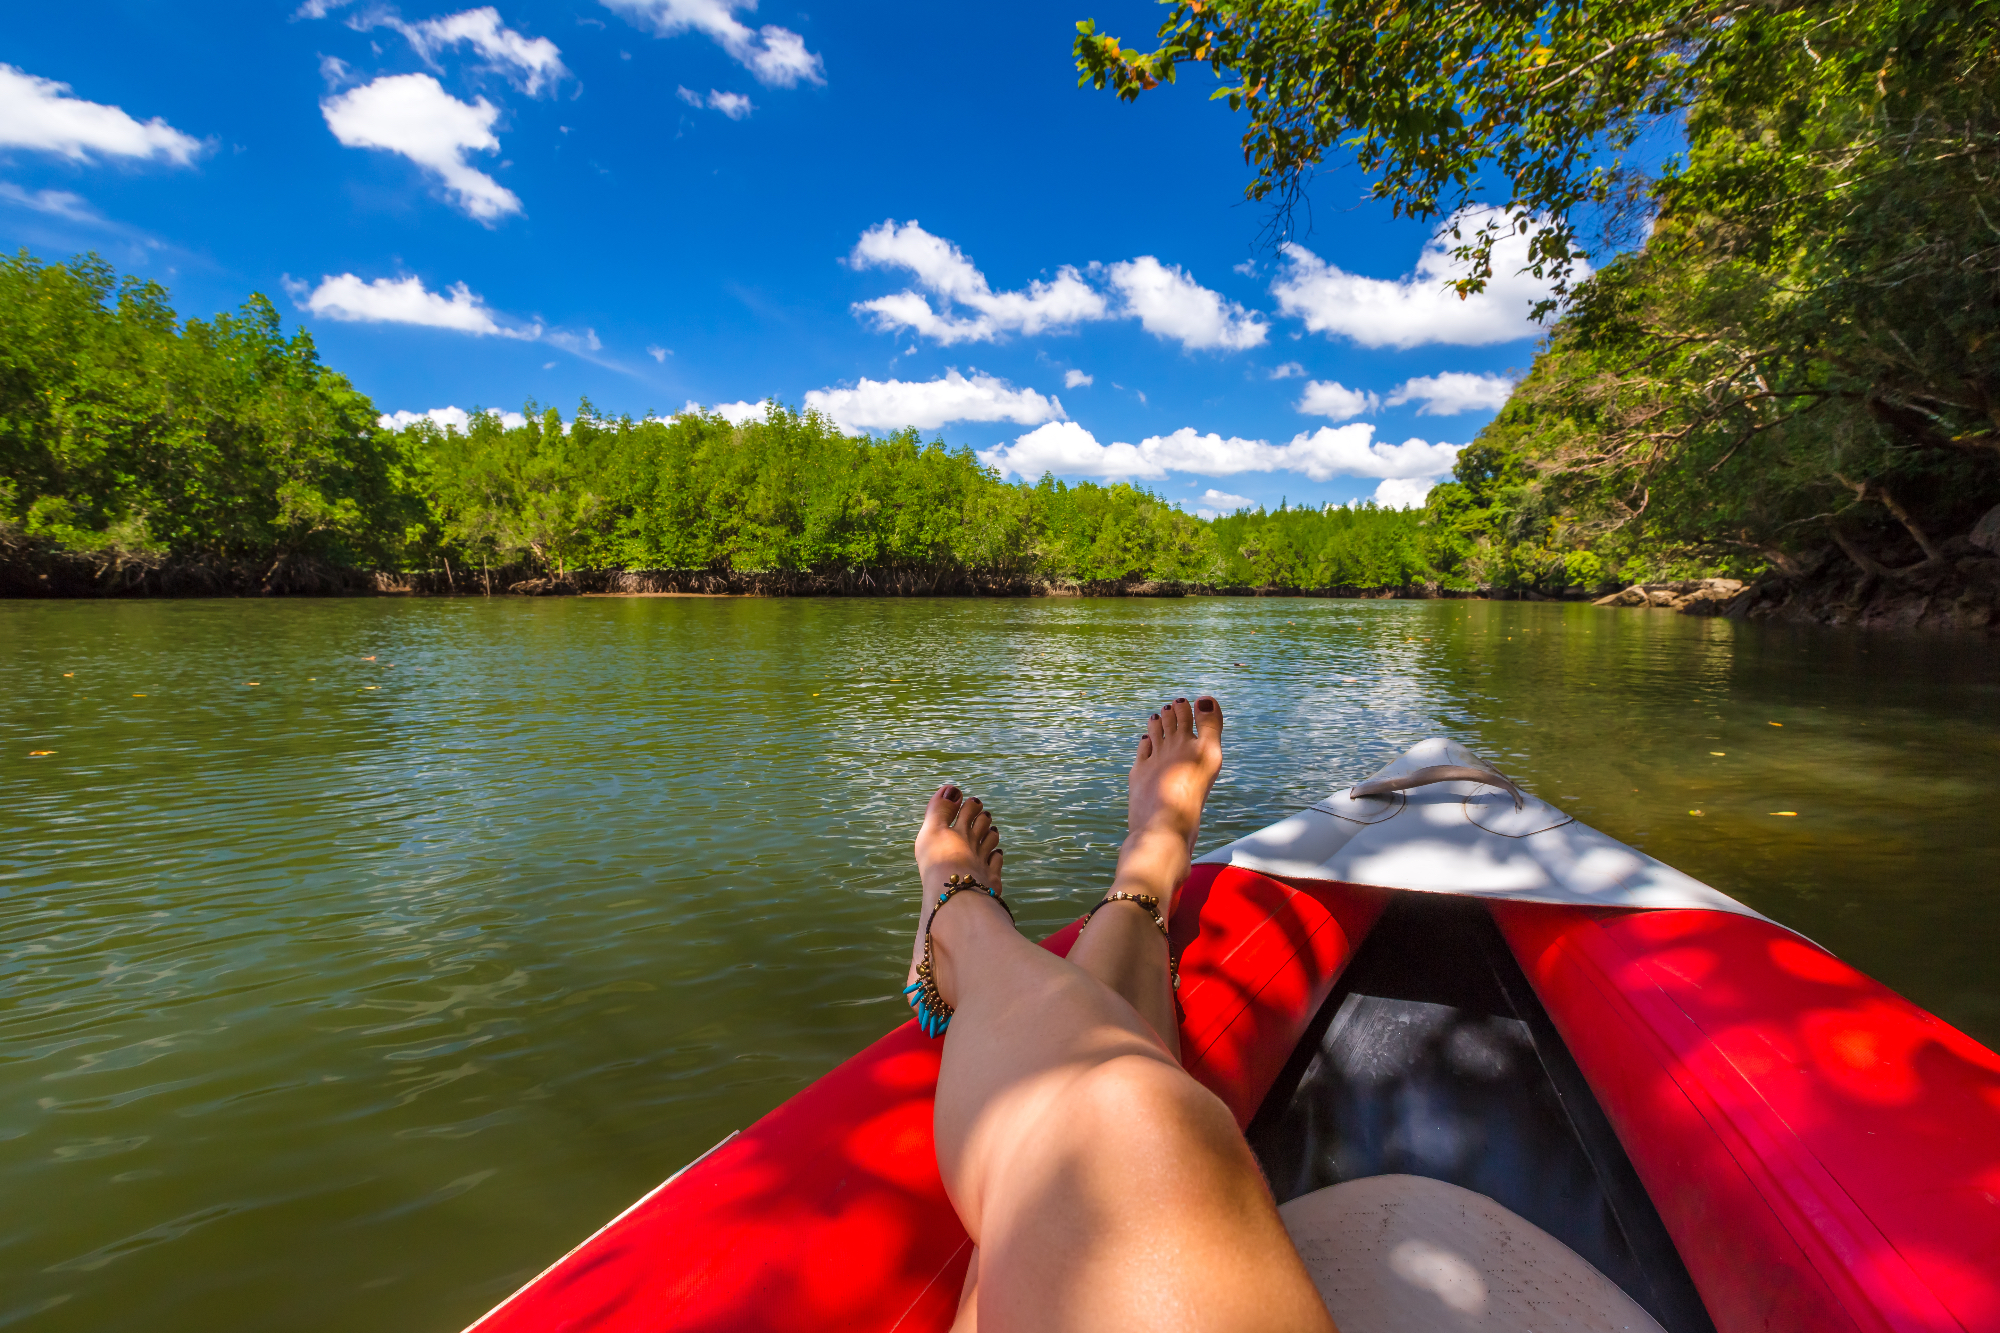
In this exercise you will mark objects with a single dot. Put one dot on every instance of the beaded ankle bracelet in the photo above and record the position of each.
(1152, 907)
(933, 1014)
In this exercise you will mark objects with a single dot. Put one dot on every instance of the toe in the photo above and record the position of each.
(1156, 728)
(1208, 715)
(977, 828)
(1145, 749)
(993, 865)
(942, 809)
(1183, 715)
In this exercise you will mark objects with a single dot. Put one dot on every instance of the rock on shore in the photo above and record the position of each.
(1694, 597)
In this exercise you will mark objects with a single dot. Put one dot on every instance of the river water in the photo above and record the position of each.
(359, 957)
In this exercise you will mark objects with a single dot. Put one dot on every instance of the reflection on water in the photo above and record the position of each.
(350, 997)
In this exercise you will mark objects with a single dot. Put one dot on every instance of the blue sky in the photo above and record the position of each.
(900, 214)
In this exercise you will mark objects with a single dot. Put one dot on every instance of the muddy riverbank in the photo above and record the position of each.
(1944, 595)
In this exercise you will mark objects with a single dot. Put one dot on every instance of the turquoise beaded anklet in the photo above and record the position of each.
(933, 1014)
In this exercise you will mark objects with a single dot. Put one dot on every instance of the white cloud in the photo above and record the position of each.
(405, 301)
(1412, 311)
(1163, 298)
(1350, 451)
(578, 343)
(1170, 304)
(1290, 370)
(1076, 379)
(1224, 501)
(928, 404)
(733, 105)
(345, 297)
(1404, 492)
(1452, 392)
(1324, 454)
(737, 412)
(943, 268)
(56, 203)
(1065, 448)
(659, 354)
(534, 61)
(41, 115)
(447, 416)
(410, 114)
(777, 56)
(1330, 398)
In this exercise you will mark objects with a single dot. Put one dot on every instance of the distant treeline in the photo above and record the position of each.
(128, 435)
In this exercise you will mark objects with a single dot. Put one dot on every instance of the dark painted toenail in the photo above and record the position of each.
(951, 793)
(1206, 705)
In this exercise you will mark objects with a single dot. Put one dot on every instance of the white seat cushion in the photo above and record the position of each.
(1407, 1254)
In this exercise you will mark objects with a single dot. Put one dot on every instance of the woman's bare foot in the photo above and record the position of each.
(1176, 765)
(957, 838)
(1179, 756)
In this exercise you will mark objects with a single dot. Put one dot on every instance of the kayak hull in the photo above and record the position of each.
(1825, 1154)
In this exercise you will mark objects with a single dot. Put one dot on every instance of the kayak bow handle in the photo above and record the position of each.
(1424, 777)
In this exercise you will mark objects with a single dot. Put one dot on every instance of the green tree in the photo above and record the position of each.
(1807, 348)
(219, 439)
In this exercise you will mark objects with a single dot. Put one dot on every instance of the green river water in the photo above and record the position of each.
(350, 998)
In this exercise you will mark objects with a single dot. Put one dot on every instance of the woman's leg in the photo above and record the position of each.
(1104, 1188)
(1178, 759)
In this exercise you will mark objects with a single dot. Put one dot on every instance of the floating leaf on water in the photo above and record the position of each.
(138, 696)
(1789, 814)
(1777, 724)
(1720, 754)
(40, 754)
(1694, 812)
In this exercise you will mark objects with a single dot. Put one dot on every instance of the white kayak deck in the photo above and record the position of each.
(1465, 837)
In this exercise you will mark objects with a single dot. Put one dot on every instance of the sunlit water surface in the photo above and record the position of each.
(349, 998)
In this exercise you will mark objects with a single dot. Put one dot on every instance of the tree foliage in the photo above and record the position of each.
(792, 493)
(1436, 99)
(221, 438)
(124, 430)
(1807, 348)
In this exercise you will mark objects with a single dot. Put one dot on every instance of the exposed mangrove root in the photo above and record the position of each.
(1958, 592)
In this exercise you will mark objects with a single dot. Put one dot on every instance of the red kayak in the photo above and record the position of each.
(1424, 976)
